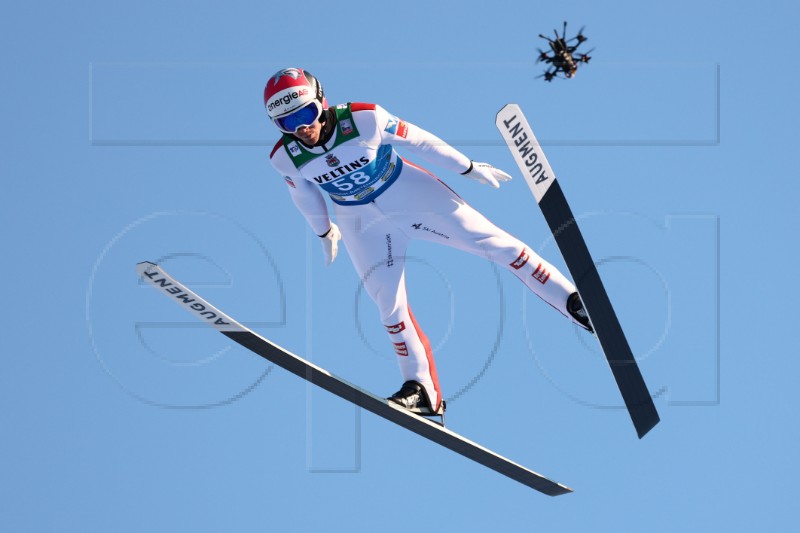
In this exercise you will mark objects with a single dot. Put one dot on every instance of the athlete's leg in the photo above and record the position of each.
(377, 249)
(438, 214)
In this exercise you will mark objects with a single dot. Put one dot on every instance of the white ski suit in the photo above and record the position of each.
(382, 202)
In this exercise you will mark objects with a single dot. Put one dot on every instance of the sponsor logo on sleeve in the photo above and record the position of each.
(521, 260)
(289, 182)
(402, 129)
(397, 328)
(391, 126)
(347, 126)
(541, 274)
(400, 349)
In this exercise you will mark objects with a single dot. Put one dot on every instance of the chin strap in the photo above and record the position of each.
(328, 121)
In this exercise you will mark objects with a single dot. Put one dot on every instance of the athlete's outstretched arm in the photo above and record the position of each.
(426, 144)
(435, 150)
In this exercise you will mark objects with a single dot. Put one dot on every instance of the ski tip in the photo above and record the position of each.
(513, 106)
(144, 266)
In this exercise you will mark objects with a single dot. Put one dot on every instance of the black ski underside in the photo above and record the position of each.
(398, 415)
(626, 372)
(206, 312)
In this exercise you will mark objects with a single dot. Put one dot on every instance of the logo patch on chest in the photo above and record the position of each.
(332, 161)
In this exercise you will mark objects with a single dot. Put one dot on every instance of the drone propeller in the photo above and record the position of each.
(542, 55)
(580, 37)
(548, 75)
(585, 57)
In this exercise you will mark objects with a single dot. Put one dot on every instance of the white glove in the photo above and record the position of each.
(330, 243)
(486, 173)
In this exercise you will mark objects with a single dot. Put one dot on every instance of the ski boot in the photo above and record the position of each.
(413, 396)
(576, 310)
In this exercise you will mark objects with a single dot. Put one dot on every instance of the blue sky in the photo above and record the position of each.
(135, 133)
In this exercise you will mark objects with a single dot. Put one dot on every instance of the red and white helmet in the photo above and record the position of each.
(294, 98)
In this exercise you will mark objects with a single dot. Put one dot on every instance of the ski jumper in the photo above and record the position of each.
(382, 202)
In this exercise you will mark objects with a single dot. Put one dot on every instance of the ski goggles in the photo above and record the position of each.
(305, 116)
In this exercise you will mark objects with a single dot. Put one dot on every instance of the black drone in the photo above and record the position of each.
(564, 60)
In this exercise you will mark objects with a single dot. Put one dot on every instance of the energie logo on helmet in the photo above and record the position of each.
(286, 99)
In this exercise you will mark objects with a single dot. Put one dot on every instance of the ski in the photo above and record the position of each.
(533, 164)
(320, 377)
